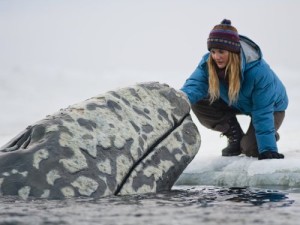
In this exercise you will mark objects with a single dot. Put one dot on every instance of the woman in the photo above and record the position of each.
(233, 79)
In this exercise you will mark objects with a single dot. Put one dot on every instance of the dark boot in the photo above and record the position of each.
(234, 135)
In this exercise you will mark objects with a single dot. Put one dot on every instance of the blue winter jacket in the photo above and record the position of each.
(261, 93)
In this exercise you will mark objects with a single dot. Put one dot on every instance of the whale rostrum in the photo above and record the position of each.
(136, 139)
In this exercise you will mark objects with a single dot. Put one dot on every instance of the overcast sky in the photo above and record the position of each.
(157, 35)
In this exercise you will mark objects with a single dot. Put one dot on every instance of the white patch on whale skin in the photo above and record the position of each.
(24, 174)
(76, 109)
(77, 144)
(128, 189)
(104, 166)
(76, 140)
(45, 194)
(157, 171)
(107, 191)
(39, 156)
(123, 165)
(1, 181)
(14, 171)
(68, 192)
(65, 139)
(85, 185)
(89, 145)
(52, 127)
(77, 162)
(24, 192)
(146, 188)
(52, 176)
(172, 145)
(148, 171)
(119, 142)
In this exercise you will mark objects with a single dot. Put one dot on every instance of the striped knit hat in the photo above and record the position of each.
(224, 36)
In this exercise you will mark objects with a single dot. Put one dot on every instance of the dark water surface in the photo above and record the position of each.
(183, 205)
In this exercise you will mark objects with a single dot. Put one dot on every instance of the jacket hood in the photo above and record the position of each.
(250, 53)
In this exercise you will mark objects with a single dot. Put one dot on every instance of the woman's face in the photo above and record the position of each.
(220, 57)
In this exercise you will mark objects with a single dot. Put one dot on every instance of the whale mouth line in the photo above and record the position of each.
(150, 149)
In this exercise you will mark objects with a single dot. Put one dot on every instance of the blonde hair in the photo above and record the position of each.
(232, 74)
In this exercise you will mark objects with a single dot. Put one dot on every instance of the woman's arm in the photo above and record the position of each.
(196, 86)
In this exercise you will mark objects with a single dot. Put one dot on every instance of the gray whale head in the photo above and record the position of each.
(132, 140)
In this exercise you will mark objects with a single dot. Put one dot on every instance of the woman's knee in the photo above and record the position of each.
(249, 146)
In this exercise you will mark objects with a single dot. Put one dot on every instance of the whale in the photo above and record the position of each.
(132, 140)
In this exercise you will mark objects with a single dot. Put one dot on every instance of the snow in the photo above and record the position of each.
(57, 53)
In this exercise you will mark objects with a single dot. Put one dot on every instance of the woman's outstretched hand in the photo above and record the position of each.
(270, 155)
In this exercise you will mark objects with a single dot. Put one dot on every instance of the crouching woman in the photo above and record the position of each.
(232, 79)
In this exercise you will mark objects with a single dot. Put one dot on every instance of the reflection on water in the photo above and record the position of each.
(183, 205)
(258, 197)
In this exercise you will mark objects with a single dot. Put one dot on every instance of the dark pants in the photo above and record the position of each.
(215, 116)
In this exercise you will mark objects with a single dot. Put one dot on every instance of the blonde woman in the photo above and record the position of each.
(233, 79)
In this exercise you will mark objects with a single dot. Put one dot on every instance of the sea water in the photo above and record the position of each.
(182, 205)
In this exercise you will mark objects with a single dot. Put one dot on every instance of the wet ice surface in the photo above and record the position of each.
(183, 205)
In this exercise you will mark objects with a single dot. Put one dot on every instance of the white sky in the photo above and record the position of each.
(157, 35)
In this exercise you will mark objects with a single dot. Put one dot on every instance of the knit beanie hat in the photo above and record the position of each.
(224, 36)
